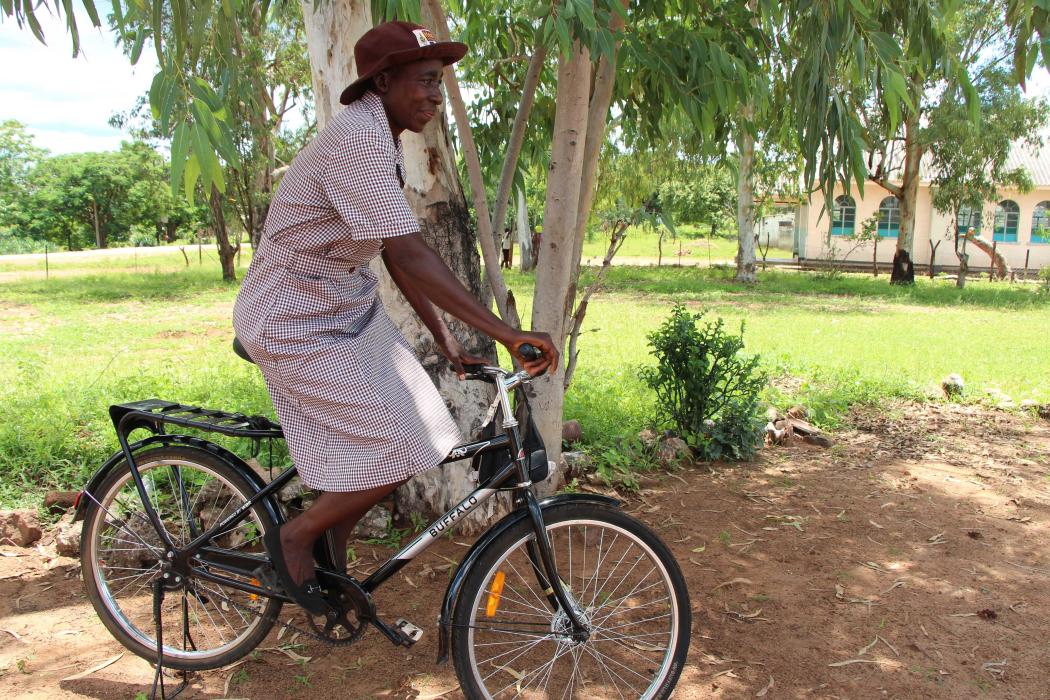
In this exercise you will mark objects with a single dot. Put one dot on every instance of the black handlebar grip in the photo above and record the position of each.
(530, 352)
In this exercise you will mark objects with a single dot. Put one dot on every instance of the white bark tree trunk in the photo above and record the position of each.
(552, 302)
(522, 221)
(434, 192)
(745, 206)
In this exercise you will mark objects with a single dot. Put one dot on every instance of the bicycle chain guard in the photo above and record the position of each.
(347, 598)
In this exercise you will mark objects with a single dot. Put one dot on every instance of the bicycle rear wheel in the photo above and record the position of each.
(626, 587)
(205, 624)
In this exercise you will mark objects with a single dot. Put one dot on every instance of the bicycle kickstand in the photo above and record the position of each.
(158, 674)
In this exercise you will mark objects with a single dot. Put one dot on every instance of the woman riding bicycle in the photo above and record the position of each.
(359, 413)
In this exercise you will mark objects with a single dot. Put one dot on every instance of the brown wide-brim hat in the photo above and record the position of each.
(394, 44)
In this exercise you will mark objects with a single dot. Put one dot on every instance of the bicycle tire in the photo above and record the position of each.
(478, 631)
(107, 545)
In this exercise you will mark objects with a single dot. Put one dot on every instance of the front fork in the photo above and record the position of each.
(543, 566)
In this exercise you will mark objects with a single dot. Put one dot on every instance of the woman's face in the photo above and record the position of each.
(411, 94)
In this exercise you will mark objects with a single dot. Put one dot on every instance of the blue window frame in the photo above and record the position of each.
(969, 218)
(1006, 216)
(843, 216)
(1041, 223)
(889, 218)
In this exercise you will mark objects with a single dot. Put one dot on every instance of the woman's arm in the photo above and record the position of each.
(413, 259)
(447, 342)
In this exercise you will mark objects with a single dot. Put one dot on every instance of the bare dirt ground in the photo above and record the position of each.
(910, 560)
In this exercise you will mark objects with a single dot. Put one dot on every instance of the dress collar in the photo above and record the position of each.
(374, 105)
(372, 102)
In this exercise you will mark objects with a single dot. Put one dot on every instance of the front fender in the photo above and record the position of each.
(474, 553)
(217, 451)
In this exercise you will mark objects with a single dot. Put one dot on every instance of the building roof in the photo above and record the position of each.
(1034, 159)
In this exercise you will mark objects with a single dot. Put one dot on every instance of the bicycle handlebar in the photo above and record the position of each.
(487, 373)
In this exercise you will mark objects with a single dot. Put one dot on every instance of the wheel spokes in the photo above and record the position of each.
(199, 618)
(622, 594)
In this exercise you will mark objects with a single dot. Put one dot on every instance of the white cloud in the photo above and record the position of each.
(66, 102)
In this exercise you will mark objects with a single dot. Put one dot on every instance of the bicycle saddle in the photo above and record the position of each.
(241, 352)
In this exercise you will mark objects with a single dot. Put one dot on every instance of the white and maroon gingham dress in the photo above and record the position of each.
(357, 408)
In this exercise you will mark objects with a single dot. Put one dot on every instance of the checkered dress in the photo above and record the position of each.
(357, 408)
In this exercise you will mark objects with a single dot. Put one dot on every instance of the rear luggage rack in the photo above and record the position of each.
(153, 414)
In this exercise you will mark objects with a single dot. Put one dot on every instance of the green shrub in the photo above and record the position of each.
(1044, 280)
(142, 236)
(619, 464)
(707, 389)
(10, 243)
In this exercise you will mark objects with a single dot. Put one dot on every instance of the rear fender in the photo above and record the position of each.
(475, 552)
(217, 451)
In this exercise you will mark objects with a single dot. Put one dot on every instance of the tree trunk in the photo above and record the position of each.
(524, 232)
(597, 116)
(487, 231)
(964, 259)
(222, 236)
(100, 239)
(517, 138)
(996, 262)
(552, 303)
(909, 193)
(434, 192)
(933, 256)
(262, 193)
(903, 271)
(745, 205)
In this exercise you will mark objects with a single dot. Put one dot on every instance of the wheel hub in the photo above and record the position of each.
(562, 629)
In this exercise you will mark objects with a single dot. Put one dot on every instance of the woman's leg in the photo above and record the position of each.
(331, 510)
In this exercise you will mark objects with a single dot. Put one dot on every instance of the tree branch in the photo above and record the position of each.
(477, 184)
(517, 135)
(619, 233)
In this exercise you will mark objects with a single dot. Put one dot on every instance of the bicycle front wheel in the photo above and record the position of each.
(205, 624)
(625, 586)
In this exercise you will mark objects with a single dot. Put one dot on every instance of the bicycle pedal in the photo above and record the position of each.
(267, 578)
(410, 632)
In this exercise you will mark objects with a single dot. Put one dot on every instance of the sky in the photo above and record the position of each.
(66, 102)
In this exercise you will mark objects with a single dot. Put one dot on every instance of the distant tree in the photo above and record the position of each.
(964, 40)
(18, 155)
(969, 159)
(244, 68)
(82, 199)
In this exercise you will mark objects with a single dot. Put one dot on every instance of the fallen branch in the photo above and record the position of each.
(93, 669)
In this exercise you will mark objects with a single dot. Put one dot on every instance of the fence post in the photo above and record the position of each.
(47, 269)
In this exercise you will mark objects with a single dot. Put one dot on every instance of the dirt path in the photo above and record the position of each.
(911, 560)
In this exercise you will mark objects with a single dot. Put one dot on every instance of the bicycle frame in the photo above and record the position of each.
(181, 559)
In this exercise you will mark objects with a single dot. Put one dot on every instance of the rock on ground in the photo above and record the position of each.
(19, 527)
(374, 524)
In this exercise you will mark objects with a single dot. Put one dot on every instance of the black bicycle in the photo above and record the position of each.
(564, 596)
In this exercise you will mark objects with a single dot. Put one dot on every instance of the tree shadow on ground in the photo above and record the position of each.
(908, 560)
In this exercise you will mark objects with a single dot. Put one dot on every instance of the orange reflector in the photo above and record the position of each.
(254, 596)
(494, 594)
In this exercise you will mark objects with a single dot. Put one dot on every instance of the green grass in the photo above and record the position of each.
(691, 243)
(74, 344)
(167, 259)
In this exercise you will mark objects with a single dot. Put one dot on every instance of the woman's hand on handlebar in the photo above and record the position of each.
(535, 366)
(456, 355)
